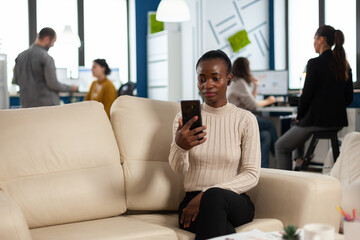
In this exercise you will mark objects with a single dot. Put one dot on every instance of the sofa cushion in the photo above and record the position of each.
(347, 166)
(263, 224)
(117, 228)
(171, 221)
(143, 129)
(12, 222)
(61, 164)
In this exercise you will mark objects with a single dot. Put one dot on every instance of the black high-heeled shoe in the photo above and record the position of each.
(299, 166)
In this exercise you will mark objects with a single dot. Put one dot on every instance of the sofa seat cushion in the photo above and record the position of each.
(263, 224)
(171, 221)
(167, 220)
(116, 228)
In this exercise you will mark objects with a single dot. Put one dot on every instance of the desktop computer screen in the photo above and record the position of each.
(86, 78)
(272, 82)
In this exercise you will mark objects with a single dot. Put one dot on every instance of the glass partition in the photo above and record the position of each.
(14, 33)
(105, 29)
(303, 23)
(343, 16)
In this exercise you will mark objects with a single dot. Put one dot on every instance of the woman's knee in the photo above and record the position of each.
(265, 137)
(212, 193)
(281, 146)
(213, 197)
(278, 145)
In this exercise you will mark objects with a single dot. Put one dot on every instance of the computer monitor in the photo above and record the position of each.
(61, 74)
(272, 82)
(86, 78)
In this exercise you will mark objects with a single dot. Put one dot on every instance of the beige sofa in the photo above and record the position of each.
(67, 172)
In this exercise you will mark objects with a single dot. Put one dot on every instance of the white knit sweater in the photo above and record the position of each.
(228, 159)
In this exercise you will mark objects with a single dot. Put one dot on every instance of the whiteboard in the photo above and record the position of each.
(222, 19)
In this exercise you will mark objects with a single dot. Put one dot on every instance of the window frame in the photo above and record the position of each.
(80, 12)
(322, 22)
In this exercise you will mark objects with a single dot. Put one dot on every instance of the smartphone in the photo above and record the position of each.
(190, 109)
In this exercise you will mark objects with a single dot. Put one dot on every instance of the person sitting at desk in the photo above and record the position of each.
(102, 89)
(240, 94)
(328, 90)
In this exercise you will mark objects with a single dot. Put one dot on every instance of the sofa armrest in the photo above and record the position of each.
(12, 222)
(297, 197)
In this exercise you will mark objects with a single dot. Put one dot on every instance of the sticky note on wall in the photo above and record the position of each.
(155, 26)
(239, 40)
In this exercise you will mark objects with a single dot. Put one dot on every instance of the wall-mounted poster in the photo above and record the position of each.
(239, 28)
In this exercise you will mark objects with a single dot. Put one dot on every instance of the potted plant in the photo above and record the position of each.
(290, 233)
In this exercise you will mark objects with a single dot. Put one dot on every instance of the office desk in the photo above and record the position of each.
(280, 116)
(65, 98)
(277, 111)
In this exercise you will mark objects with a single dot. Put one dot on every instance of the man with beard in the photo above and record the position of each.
(35, 73)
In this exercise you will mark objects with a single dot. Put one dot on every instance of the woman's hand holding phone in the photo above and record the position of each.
(186, 138)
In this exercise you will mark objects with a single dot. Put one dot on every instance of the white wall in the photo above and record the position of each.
(191, 35)
(212, 22)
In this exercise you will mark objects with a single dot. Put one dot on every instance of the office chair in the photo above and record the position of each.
(128, 88)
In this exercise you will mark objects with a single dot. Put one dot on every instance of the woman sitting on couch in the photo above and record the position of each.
(221, 164)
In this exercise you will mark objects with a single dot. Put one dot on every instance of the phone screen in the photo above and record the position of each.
(190, 109)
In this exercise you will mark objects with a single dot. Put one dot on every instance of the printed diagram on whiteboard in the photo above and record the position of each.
(244, 31)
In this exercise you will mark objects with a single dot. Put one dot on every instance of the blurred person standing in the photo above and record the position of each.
(35, 73)
(102, 89)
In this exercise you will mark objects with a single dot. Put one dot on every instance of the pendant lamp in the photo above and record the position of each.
(173, 11)
(68, 37)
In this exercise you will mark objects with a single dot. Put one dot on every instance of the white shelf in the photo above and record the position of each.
(164, 66)
(4, 94)
(158, 84)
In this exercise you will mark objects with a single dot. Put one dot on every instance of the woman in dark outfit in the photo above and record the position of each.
(327, 91)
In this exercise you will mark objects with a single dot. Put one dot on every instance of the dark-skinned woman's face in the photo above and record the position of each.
(212, 81)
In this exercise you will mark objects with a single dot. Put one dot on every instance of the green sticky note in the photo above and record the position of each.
(239, 40)
(155, 26)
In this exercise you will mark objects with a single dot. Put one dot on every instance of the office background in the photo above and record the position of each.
(280, 31)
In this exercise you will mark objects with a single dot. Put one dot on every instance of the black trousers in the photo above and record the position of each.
(221, 211)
